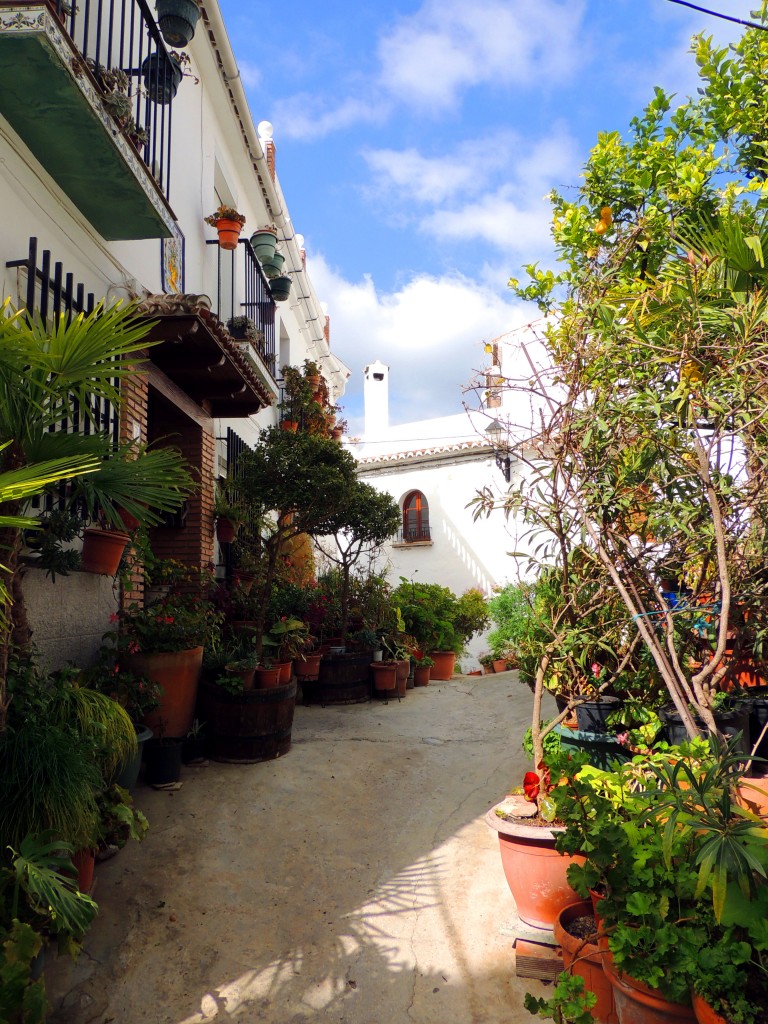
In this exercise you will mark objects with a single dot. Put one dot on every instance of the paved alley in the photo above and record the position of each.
(352, 880)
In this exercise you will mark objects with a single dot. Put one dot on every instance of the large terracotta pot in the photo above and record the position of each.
(636, 1003)
(534, 870)
(102, 550)
(585, 960)
(444, 662)
(704, 1012)
(178, 672)
(85, 863)
(403, 670)
(266, 678)
(753, 794)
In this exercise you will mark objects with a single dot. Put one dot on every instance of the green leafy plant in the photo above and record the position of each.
(173, 623)
(224, 212)
(570, 1002)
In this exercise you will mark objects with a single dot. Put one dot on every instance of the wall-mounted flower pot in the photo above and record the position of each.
(290, 425)
(162, 77)
(177, 20)
(264, 244)
(280, 288)
(229, 233)
(273, 267)
(102, 551)
(226, 530)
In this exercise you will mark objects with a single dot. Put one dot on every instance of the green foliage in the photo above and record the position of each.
(681, 865)
(429, 613)
(512, 615)
(22, 999)
(570, 1002)
(470, 616)
(119, 819)
(173, 623)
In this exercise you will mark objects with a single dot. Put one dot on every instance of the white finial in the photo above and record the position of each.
(265, 130)
(300, 241)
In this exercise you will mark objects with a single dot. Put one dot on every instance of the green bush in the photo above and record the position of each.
(511, 612)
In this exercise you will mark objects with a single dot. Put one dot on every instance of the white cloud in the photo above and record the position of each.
(309, 117)
(250, 74)
(512, 216)
(448, 45)
(430, 332)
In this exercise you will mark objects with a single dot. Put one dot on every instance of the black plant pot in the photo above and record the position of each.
(162, 76)
(731, 722)
(177, 20)
(592, 715)
(758, 716)
(162, 761)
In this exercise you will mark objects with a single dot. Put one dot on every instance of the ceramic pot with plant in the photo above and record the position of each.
(177, 20)
(264, 242)
(228, 223)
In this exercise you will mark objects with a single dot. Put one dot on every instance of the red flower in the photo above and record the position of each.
(531, 786)
(114, 617)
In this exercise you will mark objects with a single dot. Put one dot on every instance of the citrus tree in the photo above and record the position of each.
(653, 450)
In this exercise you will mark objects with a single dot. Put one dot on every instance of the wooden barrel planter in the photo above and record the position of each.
(252, 726)
(342, 679)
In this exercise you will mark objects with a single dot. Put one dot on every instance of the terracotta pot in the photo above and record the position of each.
(266, 678)
(246, 674)
(704, 1012)
(308, 667)
(290, 425)
(444, 662)
(178, 672)
(535, 871)
(285, 671)
(85, 864)
(753, 794)
(384, 675)
(403, 671)
(585, 960)
(102, 550)
(421, 675)
(636, 1003)
(229, 233)
(226, 530)
(489, 670)
(500, 665)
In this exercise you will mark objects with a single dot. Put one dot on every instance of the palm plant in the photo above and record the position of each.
(50, 371)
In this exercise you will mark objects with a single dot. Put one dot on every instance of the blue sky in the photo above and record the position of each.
(416, 142)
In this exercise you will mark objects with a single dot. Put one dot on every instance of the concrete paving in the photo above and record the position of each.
(352, 880)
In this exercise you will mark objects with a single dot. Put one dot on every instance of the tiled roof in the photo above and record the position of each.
(416, 453)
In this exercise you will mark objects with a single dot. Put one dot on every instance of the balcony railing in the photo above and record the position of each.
(414, 534)
(121, 36)
(239, 274)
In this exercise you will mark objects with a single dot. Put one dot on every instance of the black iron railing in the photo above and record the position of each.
(121, 44)
(242, 290)
(413, 534)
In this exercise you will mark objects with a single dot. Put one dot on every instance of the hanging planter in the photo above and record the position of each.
(264, 243)
(280, 288)
(102, 550)
(273, 267)
(177, 20)
(229, 223)
(162, 77)
(226, 530)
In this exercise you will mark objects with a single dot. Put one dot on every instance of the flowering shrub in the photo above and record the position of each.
(174, 623)
(137, 695)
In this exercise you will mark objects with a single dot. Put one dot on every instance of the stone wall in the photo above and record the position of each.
(68, 617)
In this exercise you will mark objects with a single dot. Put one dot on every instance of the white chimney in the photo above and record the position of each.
(376, 399)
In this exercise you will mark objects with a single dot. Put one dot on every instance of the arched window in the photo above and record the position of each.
(415, 518)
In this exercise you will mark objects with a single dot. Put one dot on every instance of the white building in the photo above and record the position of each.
(111, 156)
(434, 469)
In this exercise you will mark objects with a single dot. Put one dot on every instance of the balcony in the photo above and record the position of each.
(242, 290)
(76, 81)
(413, 535)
